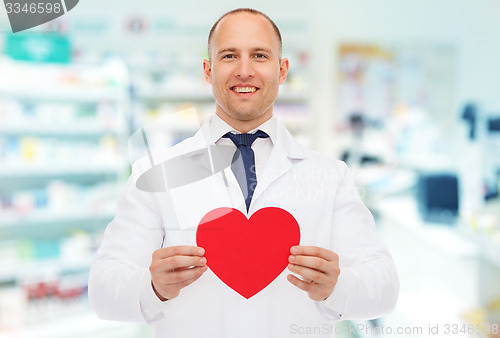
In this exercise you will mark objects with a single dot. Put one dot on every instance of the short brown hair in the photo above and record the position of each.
(240, 10)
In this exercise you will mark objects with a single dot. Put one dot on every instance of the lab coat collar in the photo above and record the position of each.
(193, 152)
(284, 142)
(286, 151)
(218, 127)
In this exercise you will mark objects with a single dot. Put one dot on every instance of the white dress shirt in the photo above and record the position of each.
(261, 147)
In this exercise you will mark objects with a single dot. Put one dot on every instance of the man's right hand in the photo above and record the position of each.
(174, 268)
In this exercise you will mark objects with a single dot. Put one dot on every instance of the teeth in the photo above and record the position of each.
(244, 89)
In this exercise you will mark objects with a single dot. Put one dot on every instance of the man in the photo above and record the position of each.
(340, 270)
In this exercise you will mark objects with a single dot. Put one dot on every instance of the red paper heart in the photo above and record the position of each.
(247, 254)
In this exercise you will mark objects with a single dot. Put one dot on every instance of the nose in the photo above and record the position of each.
(245, 68)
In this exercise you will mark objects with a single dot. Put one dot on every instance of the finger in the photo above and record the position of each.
(180, 277)
(187, 268)
(314, 251)
(181, 262)
(181, 250)
(311, 262)
(162, 284)
(307, 274)
(306, 286)
(176, 264)
(189, 281)
(182, 269)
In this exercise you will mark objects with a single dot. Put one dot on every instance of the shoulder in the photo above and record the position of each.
(328, 170)
(320, 160)
(310, 159)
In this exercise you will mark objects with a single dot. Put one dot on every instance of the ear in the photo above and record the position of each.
(207, 71)
(284, 65)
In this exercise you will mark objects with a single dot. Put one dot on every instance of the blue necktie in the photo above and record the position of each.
(243, 166)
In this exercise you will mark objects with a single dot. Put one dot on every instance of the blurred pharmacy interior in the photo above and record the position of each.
(407, 93)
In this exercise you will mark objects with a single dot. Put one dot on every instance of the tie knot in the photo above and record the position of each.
(245, 139)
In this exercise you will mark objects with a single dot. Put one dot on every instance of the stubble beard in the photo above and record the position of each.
(245, 113)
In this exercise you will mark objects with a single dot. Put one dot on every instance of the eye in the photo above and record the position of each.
(228, 56)
(260, 56)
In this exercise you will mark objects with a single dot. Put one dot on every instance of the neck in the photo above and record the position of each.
(244, 126)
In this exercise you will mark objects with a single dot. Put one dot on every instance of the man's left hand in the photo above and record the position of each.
(318, 267)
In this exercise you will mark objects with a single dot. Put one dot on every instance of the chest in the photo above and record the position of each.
(306, 194)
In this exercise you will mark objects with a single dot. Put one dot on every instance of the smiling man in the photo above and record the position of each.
(146, 271)
(245, 68)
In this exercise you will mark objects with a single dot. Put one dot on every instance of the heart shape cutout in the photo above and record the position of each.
(247, 254)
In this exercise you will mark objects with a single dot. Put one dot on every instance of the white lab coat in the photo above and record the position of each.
(319, 192)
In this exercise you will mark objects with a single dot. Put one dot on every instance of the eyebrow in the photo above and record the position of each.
(258, 49)
(225, 50)
(262, 50)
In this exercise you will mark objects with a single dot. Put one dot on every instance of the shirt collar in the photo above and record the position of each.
(219, 127)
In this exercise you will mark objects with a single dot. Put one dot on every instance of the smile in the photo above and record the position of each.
(244, 89)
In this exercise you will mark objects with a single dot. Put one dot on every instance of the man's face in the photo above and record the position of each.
(245, 69)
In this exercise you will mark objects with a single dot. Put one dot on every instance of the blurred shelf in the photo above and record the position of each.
(66, 124)
(489, 249)
(159, 95)
(458, 240)
(297, 98)
(402, 211)
(58, 227)
(74, 129)
(21, 171)
(43, 267)
(39, 218)
(384, 181)
(63, 94)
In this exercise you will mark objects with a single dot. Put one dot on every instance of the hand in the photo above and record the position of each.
(174, 268)
(319, 269)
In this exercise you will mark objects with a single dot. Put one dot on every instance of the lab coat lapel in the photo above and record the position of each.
(203, 151)
(285, 152)
(192, 201)
(277, 165)
(218, 154)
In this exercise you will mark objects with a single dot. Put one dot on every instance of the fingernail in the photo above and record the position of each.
(290, 266)
(203, 260)
(291, 258)
(204, 268)
(294, 250)
(201, 251)
(289, 277)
